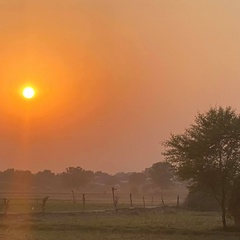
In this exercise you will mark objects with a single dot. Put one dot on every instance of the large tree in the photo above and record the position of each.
(207, 154)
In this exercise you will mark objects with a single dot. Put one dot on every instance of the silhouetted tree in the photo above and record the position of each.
(101, 177)
(137, 179)
(76, 177)
(112, 180)
(45, 179)
(23, 180)
(16, 179)
(208, 153)
(161, 174)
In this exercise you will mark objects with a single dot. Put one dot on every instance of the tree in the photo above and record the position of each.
(137, 178)
(76, 177)
(234, 206)
(105, 178)
(161, 173)
(208, 153)
(45, 179)
(16, 179)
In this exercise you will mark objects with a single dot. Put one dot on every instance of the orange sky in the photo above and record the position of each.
(113, 78)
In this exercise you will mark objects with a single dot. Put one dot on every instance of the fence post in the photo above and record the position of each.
(113, 195)
(162, 201)
(44, 202)
(74, 198)
(178, 200)
(84, 201)
(6, 203)
(131, 202)
(144, 204)
(116, 203)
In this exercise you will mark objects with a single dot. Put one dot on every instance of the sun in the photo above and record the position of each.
(28, 92)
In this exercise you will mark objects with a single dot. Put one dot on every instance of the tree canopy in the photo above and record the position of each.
(207, 154)
(76, 177)
(137, 178)
(161, 174)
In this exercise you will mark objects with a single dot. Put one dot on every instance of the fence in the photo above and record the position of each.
(19, 202)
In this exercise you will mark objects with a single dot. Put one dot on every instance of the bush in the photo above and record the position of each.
(201, 201)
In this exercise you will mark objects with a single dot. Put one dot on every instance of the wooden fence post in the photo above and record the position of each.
(6, 203)
(44, 202)
(116, 203)
(84, 202)
(74, 198)
(113, 195)
(131, 202)
(162, 201)
(178, 200)
(144, 204)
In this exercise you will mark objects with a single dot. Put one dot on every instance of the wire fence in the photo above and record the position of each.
(28, 202)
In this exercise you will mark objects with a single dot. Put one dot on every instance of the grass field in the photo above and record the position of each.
(126, 224)
(32, 203)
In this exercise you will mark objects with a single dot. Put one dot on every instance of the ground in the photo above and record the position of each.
(140, 224)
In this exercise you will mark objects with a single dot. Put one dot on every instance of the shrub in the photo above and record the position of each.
(201, 201)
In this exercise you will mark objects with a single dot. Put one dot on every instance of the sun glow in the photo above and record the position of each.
(28, 92)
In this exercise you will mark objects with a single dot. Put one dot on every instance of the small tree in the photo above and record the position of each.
(208, 153)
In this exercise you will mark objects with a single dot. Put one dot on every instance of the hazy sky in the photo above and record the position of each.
(113, 77)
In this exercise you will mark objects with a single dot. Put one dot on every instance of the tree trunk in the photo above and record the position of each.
(223, 203)
(224, 218)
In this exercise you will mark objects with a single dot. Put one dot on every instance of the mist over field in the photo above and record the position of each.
(119, 119)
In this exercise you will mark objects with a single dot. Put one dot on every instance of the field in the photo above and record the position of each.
(157, 223)
(63, 202)
(64, 220)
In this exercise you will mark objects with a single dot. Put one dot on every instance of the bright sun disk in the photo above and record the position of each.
(28, 92)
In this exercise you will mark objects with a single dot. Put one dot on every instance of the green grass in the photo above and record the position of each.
(24, 202)
(126, 224)
(35, 205)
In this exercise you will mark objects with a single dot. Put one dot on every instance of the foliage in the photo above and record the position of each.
(105, 178)
(16, 180)
(161, 174)
(208, 153)
(45, 179)
(76, 177)
(137, 178)
(201, 201)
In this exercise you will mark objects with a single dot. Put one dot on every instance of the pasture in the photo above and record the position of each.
(99, 220)
(126, 224)
(142, 224)
(63, 202)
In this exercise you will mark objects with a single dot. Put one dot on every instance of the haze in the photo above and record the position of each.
(114, 78)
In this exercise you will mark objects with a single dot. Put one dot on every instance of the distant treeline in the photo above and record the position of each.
(77, 178)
